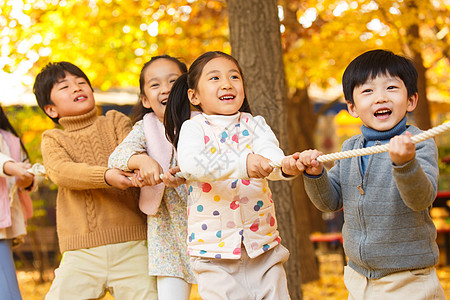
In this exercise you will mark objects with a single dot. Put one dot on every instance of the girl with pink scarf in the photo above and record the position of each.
(15, 204)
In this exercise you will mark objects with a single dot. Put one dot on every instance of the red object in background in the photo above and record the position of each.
(443, 200)
(446, 159)
(443, 195)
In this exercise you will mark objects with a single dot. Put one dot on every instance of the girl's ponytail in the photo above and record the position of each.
(178, 109)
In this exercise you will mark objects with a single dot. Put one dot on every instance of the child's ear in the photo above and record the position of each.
(145, 101)
(352, 109)
(50, 110)
(412, 102)
(193, 98)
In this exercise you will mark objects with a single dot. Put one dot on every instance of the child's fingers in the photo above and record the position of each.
(300, 166)
(170, 180)
(295, 155)
(174, 170)
(136, 182)
(315, 154)
(128, 174)
(125, 183)
(309, 157)
(289, 165)
(266, 168)
(153, 179)
(135, 179)
(305, 157)
(26, 165)
(401, 149)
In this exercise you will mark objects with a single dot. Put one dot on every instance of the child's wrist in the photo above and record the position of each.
(105, 176)
(30, 187)
(8, 168)
(314, 175)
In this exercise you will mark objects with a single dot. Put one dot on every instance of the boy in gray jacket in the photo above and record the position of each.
(388, 233)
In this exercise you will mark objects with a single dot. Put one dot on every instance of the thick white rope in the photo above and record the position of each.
(376, 149)
(383, 148)
(37, 170)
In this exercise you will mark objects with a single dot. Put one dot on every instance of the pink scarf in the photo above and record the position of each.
(13, 143)
(161, 150)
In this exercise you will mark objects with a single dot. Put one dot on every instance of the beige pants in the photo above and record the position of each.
(422, 284)
(119, 268)
(262, 277)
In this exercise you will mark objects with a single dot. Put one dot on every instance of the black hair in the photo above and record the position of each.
(138, 109)
(378, 62)
(51, 74)
(6, 125)
(178, 107)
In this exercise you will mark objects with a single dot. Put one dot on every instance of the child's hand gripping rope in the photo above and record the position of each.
(377, 149)
(37, 170)
(384, 148)
(366, 151)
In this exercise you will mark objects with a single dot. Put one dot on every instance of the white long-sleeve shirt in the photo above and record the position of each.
(225, 208)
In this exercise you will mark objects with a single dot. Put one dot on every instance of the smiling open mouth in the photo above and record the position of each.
(382, 113)
(225, 98)
(81, 98)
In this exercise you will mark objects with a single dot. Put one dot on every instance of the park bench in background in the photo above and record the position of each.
(440, 214)
(39, 251)
(328, 238)
(441, 217)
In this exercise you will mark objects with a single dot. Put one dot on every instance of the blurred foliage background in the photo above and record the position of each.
(111, 40)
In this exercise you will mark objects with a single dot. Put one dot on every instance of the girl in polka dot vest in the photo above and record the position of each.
(224, 154)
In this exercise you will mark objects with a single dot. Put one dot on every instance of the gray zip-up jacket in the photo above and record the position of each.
(387, 225)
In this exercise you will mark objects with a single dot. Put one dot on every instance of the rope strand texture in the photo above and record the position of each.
(370, 150)
(383, 148)
(37, 169)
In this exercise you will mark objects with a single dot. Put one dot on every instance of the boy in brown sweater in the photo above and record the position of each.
(101, 230)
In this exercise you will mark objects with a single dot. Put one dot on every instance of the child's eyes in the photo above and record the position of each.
(391, 87)
(235, 77)
(63, 87)
(214, 78)
(367, 91)
(154, 85)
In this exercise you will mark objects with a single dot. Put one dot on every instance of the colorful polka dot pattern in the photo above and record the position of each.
(227, 213)
(211, 242)
(228, 136)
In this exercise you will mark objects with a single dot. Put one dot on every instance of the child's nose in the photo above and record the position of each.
(76, 88)
(227, 84)
(382, 97)
(165, 88)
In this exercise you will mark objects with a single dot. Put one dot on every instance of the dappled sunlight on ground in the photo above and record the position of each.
(329, 287)
(331, 282)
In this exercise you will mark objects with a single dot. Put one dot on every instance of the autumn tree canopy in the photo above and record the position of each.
(323, 36)
(111, 39)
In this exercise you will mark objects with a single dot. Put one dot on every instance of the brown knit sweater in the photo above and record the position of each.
(90, 213)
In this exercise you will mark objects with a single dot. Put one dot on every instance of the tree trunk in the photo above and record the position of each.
(302, 123)
(422, 112)
(256, 43)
